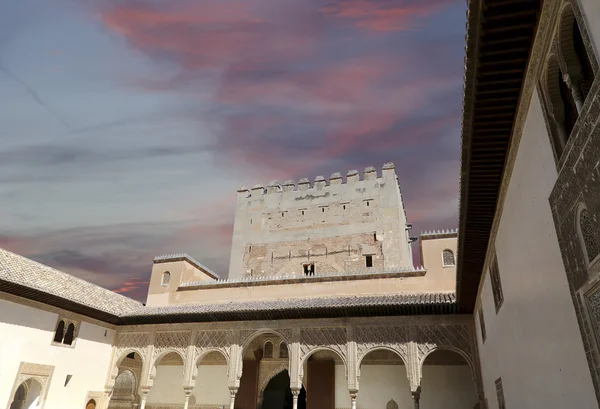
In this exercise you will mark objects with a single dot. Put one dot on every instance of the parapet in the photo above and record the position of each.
(172, 258)
(438, 234)
(388, 172)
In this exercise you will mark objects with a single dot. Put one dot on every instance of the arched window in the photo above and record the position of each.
(91, 404)
(579, 73)
(283, 350)
(588, 235)
(448, 258)
(166, 278)
(69, 335)
(268, 349)
(60, 332)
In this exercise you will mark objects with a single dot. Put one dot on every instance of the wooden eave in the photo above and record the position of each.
(500, 35)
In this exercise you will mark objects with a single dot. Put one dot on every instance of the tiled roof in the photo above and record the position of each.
(334, 306)
(183, 256)
(18, 271)
(27, 278)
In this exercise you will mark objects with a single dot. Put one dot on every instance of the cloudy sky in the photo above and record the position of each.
(127, 126)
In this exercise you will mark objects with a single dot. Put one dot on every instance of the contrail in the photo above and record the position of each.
(33, 95)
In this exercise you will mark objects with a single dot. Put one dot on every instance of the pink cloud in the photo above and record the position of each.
(397, 15)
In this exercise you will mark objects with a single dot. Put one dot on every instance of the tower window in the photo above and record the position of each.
(344, 207)
(166, 278)
(367, 203)
(302, 212)
(448, 258)
(309, 269)
(369, 261)
(250, 249)
(323, 209)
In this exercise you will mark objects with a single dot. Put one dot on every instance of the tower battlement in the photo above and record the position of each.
(320, 182)
(332, 225)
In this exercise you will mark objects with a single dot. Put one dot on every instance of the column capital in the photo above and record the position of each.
(233, 391)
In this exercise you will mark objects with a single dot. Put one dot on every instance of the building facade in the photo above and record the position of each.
(331, 225)
(503, 314)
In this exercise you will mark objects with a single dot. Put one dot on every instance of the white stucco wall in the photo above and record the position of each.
(211, 385)
(533, 342)
(26, 335)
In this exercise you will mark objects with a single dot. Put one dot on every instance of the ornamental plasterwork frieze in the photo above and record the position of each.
(41, 373)
(370, 338)
(457, 337)
(333, 338)
(132, 341)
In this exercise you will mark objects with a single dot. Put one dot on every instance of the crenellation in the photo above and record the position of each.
(289, 185)
(370, 173)
(273, 187)
(335, 179)
(320, 182)
(303, 184)
(352, 176)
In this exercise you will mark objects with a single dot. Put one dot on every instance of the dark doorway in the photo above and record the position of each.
(278, 395)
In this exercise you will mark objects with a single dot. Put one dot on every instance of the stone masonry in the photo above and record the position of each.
(338, 226)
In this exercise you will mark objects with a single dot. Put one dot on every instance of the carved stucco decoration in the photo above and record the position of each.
(249, 334)
(454, 337)
(132, 341)
(327, 338)
(381, 337)
(40, 373)
(209, 341)
(169, 342)
(269, 370)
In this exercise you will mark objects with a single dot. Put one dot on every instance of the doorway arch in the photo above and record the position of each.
(28, 395)
(278, 395)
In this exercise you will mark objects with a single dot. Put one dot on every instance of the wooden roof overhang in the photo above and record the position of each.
(500, 35)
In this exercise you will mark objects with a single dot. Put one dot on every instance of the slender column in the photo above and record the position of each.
(232, 393)
(353, 396)
(186, 402)
(295, 393)
(144, 397)
(574, 87)
(416, 396)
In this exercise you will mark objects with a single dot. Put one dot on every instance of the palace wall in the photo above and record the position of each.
(532, 342)
(334, 225)
(433, 245)
(26, 336)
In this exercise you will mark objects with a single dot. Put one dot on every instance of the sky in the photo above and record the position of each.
(127, 126)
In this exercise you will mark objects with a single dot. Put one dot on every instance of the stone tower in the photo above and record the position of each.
(340, 226)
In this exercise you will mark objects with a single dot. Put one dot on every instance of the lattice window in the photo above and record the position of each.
(166, 278)
(496, 283)
(588, 235)
(500, 394)
(268, 349)
(482, 324)
(283, 350)
(448, 258)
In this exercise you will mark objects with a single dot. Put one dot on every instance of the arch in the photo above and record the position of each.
(258, 333)
(123, 354)
(27, 395)
(463, 354)
(586, 232)
(91, 404)
(125, 380)
(59, 332)
(69, 335)
(166, 352)
(448, 258)
(208, 351)
(322, 348)
(272, 374)
(268, 349)
(573, 54)
(284, 352)
(166, 278)
(384, 348)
